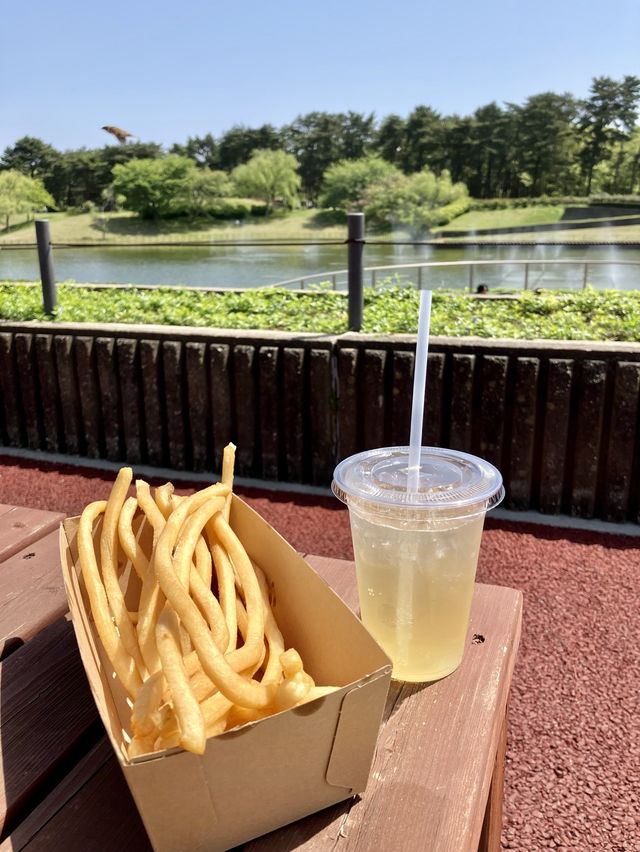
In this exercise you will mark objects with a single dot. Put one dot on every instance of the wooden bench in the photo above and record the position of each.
(437, 778)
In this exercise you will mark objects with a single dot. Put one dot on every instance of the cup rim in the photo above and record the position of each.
(479, 490)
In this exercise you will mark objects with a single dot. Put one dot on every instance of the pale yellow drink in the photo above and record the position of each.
(415, 588)
(416, 538)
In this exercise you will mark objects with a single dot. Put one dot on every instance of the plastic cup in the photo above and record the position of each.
(416, 551)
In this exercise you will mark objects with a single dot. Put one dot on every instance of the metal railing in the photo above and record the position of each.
(421, 274)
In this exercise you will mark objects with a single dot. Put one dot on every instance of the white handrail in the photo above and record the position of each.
(374, 271)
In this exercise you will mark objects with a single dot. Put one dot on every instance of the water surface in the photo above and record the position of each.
(254, 266)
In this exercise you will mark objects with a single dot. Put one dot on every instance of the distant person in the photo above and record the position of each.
(482, 289)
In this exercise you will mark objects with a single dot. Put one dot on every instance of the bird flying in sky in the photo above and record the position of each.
(120, 134)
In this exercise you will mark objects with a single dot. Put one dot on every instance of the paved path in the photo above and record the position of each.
(573, 759)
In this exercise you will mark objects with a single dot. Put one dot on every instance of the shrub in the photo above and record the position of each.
(616, 200)
(444, 215)
(229, 208)
(346, 183)
(418, 201)
(560, 200)
(155, 187)
(270, 176)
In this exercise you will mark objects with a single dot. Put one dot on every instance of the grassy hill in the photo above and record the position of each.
(583, 224)
(124, 227)
(127, 227)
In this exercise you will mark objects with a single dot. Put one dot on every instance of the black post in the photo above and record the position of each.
(45, 257)
(355, 243)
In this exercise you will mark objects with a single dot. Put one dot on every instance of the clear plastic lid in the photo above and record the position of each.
(449, 481)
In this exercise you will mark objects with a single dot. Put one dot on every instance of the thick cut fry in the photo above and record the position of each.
(109, 566)
(243, 627)
(189, 535)
(202, 686)
(151, 602)
(214, 708)
(122, 662)
(151, 597)
(210, 608)
(242, 618)
(223, 566)
(228, 464)
(217, 727)
(204, 565)
(141, 745)
(167, 741)
(291, 662)
(248, 693)
(162, 496)
(273, 670)
(150, 508)
(127, 538)
(226, 586)
(292, 691)
(183, 696)
(243, 657)
(186, 708)
(144, 711)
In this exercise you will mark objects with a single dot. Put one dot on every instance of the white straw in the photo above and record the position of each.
(419, 390)
(404, 602)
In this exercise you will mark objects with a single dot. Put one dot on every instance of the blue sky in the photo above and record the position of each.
(166, 71)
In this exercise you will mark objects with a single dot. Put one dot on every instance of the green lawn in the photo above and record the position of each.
(516, 217)
(588, 315)
(611, 234)
(126, 227)
(543, 215)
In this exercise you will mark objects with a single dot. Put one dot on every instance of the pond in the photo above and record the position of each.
(236, 265)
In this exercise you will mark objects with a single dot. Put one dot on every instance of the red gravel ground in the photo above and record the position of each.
(573, 761)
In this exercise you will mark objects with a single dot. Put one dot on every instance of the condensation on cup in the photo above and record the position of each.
(416, 548)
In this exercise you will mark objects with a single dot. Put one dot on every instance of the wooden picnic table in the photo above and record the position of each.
(437, 777)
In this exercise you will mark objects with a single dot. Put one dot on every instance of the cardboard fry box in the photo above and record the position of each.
(268, 773)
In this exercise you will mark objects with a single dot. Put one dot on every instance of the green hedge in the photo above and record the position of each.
(231, 208)
(443, 215)
(615, 200)
(586, 315)
(551, 200)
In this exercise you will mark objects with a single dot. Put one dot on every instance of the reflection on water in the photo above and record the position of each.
(255, 266)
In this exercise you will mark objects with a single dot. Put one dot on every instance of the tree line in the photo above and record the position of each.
(552, 144)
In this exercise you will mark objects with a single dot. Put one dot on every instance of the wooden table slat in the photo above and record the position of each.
(20, 527)
(91, 810)
(445, 785)
(47, 719)
(434, 760)
(32, 592)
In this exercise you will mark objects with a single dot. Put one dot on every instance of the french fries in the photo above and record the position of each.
(202, 653)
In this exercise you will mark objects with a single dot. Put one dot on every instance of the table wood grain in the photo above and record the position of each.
(32, 592)
(20, 526)
(432, 770)
(428, 789)
(48, 719)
